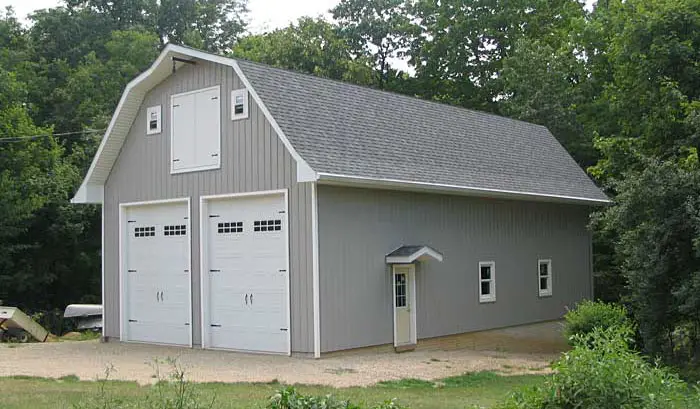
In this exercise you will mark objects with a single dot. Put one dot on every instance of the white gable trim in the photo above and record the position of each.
(91, 190)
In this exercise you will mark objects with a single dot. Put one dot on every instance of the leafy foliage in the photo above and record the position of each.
(290, 398)
(589, 315)
(602, 372)
(657, 217)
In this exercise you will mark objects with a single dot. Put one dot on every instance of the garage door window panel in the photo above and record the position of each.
(230, 227)
(267, 225)
(196, 130)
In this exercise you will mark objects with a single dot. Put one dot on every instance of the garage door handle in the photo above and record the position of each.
(251, 299)
(246, 299)
(161, 296)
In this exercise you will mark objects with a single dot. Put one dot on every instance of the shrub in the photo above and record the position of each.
(602, 372)
(589, 315)
(289, 398)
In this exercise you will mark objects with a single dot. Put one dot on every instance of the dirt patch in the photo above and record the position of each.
(87, 360)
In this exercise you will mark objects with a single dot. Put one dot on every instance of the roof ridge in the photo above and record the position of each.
(387, 92)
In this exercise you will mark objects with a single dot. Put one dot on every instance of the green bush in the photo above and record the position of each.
(589, 315)
(602, 372)
(289, 398)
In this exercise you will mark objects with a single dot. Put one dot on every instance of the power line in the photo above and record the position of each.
(22, 138)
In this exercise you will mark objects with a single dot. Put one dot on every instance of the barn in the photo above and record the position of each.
(250, 208)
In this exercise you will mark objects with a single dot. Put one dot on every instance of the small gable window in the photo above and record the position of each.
(153, 120)
(239, 104)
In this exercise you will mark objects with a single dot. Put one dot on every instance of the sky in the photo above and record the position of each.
(264, 14)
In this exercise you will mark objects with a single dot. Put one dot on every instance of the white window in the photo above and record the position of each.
(196, 130)
(153, 120)
(487, 281)
(239, 104)
(544, 277)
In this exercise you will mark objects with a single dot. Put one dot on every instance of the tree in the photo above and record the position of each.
(377, 29)
(651, 97)
(656, 218)
(32, 171)
(312, 46)
(550, 86)
(213, 25)
(459, 50)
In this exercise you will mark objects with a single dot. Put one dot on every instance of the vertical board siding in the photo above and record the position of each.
(358, 227)
(252, 159)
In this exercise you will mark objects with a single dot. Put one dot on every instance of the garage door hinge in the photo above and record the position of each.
(282, 211)
(131, 221)
(176, 160)
(131, 271)
(187, 324)
(133, 321)
(216, 325)
(214, 271)
(187, 271)
(283, 329)
(283, 271)
(214, 215)
(185, 218)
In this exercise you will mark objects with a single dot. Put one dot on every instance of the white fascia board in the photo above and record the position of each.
(304, 172)
(361, 181)
(89, 194)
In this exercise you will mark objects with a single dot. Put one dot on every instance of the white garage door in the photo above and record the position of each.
(157, 276)
(247, 304)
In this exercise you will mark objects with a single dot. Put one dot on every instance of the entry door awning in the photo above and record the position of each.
(411, 254)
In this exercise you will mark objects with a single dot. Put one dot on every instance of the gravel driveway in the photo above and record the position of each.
(88, 359)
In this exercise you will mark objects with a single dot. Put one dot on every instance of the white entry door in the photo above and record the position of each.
(404, 288)
(156, 273)
(247, 279)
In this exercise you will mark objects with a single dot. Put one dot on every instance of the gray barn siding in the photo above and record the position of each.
(252, 159)
(358, 227)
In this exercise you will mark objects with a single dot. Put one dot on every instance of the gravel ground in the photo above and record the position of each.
(88, 360)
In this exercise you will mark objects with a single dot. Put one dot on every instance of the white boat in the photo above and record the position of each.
(89, 316)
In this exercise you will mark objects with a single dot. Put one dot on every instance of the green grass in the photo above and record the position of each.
(483, 389)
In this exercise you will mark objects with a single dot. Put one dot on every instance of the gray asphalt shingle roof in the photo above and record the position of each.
(340, 128)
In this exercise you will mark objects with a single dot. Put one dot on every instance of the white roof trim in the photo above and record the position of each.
(421, 254)
(134, 94)
(361, 181)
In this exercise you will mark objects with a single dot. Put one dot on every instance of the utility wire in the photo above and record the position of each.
(23, 138)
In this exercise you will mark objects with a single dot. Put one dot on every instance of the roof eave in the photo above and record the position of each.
(378, 183)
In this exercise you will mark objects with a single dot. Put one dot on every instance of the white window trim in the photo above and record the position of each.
(174, 171)
(548, 291)
(159, 111)
(243, 92)
(491, 297)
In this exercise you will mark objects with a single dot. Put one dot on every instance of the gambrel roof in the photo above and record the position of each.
(341, 133)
